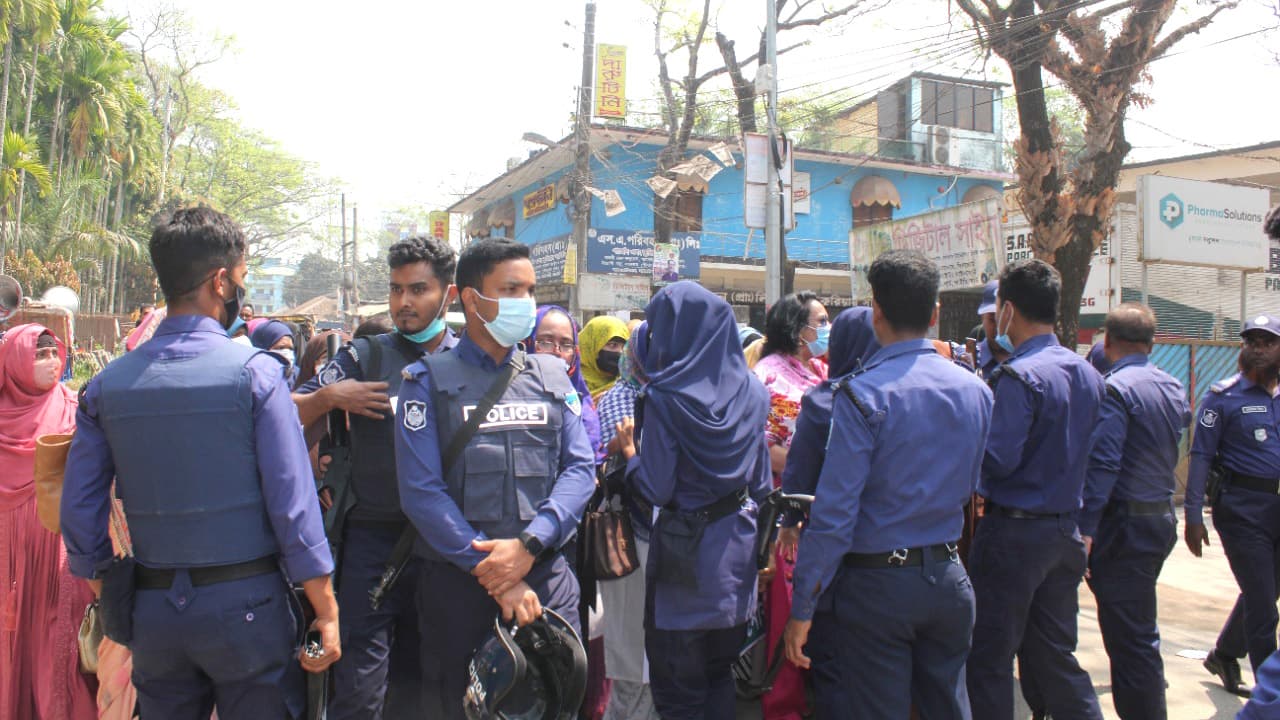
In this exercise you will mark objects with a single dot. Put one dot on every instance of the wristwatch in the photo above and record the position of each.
(532, 544)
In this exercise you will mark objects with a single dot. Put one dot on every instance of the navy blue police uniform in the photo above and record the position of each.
(528, 472)
(1027, 557)
(218, 502)
(380, 647)
(1128, 511)
(887, 548)
(1238, 426)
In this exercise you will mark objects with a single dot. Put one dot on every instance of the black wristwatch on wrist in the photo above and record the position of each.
(533, 545)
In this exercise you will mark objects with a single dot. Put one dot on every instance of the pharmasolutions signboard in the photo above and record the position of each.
(965, 241)
(1189, 222)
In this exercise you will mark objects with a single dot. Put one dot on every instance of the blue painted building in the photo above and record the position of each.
(851, 182)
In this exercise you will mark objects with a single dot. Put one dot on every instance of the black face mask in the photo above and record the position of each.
(232, 307)
(607, 361)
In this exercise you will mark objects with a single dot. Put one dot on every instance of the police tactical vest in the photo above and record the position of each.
(512, 462)
(182, 437)
(373, 459)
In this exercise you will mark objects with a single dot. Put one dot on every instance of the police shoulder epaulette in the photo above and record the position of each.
(843, 386)
(1224, 385)
(1114, 392)
(1007, 369)
(413, 370)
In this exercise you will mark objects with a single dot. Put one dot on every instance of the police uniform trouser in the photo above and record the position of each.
(232, 645)
(455, 616)
(907, 631)
(1249, 524)
(379, 647)
(1026, 574)
(1128, 553)
(690, 672)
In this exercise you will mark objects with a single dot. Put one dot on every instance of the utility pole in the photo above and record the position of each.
(355, 265)
(773, 212)
(582, 159)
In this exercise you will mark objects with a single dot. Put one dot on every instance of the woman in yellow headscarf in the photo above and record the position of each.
(600, 343)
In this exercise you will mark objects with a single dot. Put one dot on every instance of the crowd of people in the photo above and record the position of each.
(250, 518)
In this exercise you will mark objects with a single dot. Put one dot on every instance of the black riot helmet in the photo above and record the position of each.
(537, 672)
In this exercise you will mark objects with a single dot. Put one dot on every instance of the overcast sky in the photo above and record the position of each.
(412, 103)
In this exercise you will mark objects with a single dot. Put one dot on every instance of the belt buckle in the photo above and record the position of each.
(898, 557)
(953, 550)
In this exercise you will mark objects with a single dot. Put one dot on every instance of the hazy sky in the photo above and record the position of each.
(412, 103)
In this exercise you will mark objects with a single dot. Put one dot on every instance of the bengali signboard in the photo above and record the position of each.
(1098, 294)
(548, 259)
(611, 81)
(539, 201)
(439, 222)
(628, 252)
(614, 292)
(965, 241)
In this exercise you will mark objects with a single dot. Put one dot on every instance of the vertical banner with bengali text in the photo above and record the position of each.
(611, 81)
(439, 222)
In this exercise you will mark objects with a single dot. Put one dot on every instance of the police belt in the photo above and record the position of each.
(725, 506)
(1136, 508)
(993, 508)
(156, 579)
(1255, 483)
(903, 557)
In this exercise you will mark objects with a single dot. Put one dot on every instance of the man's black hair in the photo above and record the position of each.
(1033, 286)
(379, 324)
(191, 244)
(1131, 322)
(247, 306)
(482, 256)
(904, 284)
(420, 248)
(784, 322)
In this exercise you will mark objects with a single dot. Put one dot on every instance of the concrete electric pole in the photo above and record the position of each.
(773, 212)
(582, 159)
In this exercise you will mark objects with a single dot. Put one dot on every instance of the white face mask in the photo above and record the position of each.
(287, 354)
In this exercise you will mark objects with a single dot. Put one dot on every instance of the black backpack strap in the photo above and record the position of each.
(368, 357)
(410, 351)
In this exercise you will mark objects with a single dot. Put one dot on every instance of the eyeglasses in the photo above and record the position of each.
(552, 345)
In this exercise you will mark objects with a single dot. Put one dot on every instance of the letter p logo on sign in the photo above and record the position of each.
(1171, 210)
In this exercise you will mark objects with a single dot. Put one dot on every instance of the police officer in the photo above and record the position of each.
(1027, 557)
(1127, 520)
(990, 355)
(907, 439)
(492, 524)
(1239, 429)
(704, 462)
(203, 443)
(378, 641)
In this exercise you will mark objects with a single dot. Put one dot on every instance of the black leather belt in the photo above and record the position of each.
(155, 579)
(992, 508)
(1135, 507)
(1255, 483)
(903, 557)
(727, 505)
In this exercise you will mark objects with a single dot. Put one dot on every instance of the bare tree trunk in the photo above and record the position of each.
(8, 66)
(743, 90)
(26, 131)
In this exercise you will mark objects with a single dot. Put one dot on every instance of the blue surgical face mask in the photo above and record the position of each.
(818, 346)
(435, 328)
(515, 320)
(1002, 338)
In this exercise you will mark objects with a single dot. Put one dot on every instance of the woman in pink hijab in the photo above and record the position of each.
(41, 604)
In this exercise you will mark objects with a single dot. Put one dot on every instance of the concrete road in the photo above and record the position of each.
(1196, 595)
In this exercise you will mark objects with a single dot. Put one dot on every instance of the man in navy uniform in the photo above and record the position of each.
(202, 440)
(990, 355)
(1238, 428)
(1127, 520)
(491, 526)
(1027, 557)
(907, 438)
(362, 380)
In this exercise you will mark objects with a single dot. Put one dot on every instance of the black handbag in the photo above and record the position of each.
(609, 540)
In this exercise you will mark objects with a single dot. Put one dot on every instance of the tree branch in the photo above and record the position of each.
(792, 23)
(750, 59)
(1191, 28)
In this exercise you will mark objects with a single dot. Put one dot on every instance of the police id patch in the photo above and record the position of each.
(415, 415)
(573, 402)
(331, 374)
(509, 414)
(1209, 418)
(1247, 409)
(1260, 434)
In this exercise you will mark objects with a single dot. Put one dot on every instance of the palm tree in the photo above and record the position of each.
(38, 19)
(19, 157)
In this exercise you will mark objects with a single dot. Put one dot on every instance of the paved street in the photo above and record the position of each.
(1196, 594)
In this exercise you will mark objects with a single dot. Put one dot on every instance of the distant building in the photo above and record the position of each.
(264, 285)
(926, 143)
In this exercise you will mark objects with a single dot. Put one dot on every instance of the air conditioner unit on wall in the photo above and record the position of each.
(942, 148)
